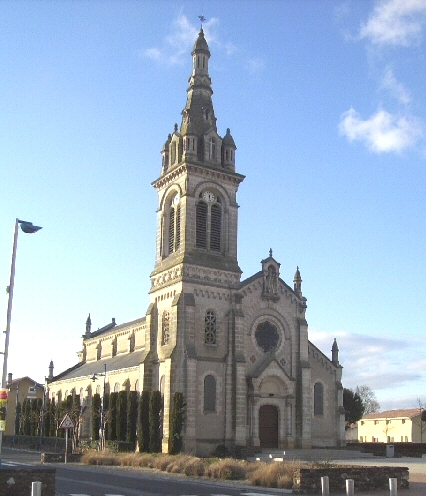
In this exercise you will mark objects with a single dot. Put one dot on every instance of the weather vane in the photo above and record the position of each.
(202, 19)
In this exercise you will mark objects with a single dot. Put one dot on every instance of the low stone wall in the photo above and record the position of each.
(308, 480)
(60, 457)
(17, 481)
(400, 449)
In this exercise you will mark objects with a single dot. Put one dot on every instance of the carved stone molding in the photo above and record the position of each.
(211, 275)
(166, 277)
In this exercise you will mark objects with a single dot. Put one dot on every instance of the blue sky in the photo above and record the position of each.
(326, 103)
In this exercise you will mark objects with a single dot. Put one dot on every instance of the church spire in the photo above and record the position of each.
(197, 140)
(88, 326)
(335, 353)
(198, 115)
(297, 282)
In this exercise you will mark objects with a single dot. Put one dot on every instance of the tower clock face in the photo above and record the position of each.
(208, 196)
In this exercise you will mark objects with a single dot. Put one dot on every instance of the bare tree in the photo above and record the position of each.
(368, 398)
(422, 419)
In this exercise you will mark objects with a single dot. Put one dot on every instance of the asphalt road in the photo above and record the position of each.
(79, 480)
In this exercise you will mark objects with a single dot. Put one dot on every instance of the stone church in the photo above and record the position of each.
(237, 350)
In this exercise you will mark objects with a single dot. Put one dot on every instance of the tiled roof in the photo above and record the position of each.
(389, 414)
(87, 369)
(112, 326)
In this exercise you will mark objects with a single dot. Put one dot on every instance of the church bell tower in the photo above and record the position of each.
(197, 188)
(196, 267)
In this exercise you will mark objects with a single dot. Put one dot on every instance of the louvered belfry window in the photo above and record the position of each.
(177, 232)
(209, 225)
(172, 230)
(216, 221)
(201, 225)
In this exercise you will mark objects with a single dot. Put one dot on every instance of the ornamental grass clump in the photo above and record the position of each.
(273, 474)
(195, 467)
(93, 457)
(227, 469)
(185, 464)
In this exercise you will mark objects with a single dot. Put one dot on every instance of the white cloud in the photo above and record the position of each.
(181, 39)
(255, 65)
(396, 88)
(382, 132)
(381, 363)
(153, 53)
(395, 23)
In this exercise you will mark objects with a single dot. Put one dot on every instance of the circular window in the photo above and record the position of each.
(267, 336)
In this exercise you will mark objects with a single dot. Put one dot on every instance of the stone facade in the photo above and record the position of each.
(237, 350)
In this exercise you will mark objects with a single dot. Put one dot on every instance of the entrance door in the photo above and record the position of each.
(268, 426)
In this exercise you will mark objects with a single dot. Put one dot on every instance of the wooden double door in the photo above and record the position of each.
(268, 426)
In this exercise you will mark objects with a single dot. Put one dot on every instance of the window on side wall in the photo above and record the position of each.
(318, 399)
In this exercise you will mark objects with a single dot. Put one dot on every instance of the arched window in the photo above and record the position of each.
(210, 330)
(318, 399)
(165, 328)
(208, 218)
(209, 393)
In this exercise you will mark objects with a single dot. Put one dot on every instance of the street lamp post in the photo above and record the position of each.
(29, 228)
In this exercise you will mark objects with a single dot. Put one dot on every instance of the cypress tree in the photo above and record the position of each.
(176, 423)
(121, 428)
(18, 416)
(132, 417)
(113, 416)
(47, 417)
(143, 422)
(52, 414)
(155, 410)
(26, 414)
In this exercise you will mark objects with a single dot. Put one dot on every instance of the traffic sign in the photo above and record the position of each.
(66, 423)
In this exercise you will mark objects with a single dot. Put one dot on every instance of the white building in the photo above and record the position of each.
(392, 426)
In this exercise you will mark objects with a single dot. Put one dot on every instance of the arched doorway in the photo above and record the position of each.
(268, 426)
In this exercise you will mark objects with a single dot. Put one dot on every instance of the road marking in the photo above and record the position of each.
(285, 491)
